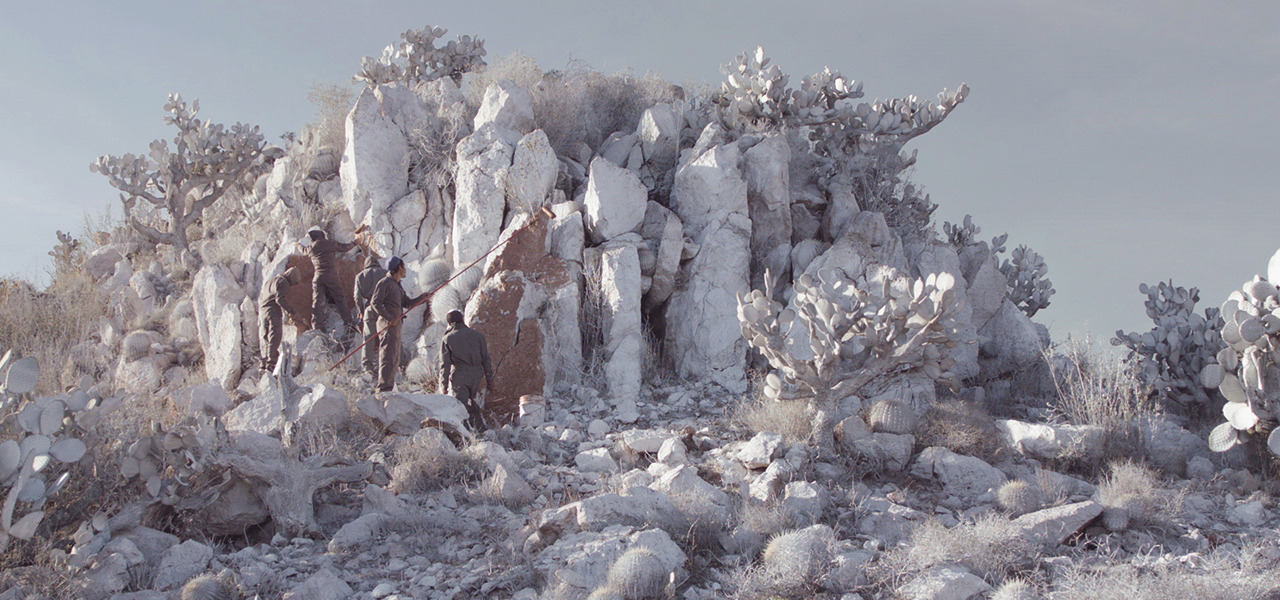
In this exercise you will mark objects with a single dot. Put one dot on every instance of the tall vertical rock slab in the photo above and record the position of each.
(216, 298)
(615, 202)
(533, 173)
(766, 167)
(484, 158)
(375, 163)
(664, 235)
(703, 337)
(623, 338)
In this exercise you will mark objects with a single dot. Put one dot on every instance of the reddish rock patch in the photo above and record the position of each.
(298, 300)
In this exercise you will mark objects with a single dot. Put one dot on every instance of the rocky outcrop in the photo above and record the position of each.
(216, 298)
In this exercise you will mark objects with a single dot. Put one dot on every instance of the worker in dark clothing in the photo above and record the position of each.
(464, 359)
(389, 302)
(368, 318)
(326, 288)
(271, 315)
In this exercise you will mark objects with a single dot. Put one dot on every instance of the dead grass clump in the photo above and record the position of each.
(1103, 392)
(428, 462)
(964, 428)
(1132, 495)
(1246, 575)
(989, 547)
(46, 325)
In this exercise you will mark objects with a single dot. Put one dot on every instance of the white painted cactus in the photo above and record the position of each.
(165, 461)
(855, 336)
(417, 59)
(36, 465)
(1172, 355)
(1029, 285)
(1247, 369)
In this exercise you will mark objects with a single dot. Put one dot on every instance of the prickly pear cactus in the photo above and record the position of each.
(417, 58)
(891, 416)
(36, 464)
(166, 461)
(1172, 355)
(1029, 286)
(1247, 370)
(1020, 497)
(855, 335)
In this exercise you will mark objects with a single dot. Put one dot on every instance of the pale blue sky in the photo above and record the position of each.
(1124, 141)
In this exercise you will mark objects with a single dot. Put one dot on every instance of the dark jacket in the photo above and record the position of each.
(389, 299)
(276, 290)
(324, 256)
(366, 281)
(464, 357)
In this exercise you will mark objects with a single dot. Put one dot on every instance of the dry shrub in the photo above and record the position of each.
(989, 547)
(788, 418)
(1223, 575)
(1102, 391)
(332, 101)
(46, 325)
(964, 428)
(419, 468)
(1137, 490)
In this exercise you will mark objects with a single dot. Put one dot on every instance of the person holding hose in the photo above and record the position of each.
(389, 302)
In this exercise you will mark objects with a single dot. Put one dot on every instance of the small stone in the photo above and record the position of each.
(597, 429)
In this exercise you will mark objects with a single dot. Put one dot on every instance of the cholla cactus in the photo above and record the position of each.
(1247, 371)
(1029, 288)
(49, 436)
(206, 161)
(416, 59)
(1172, 355)
(855, 336)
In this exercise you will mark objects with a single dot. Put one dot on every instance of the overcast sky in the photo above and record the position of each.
(1124, 141)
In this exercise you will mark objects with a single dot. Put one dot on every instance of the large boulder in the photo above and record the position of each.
(664, 244)
(484, 158)
(507, 105)
(623, 339)
(702, 333)
(102, 262)
(517, 307)
(404, 413)
(1008, 343)
(965, 476)
(766, 167)
(1053, 526)
(375, 163)
(216, 297)
(615, 202)
(533, 172)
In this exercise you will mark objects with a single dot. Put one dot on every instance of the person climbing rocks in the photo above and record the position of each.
(464, 358)
(389, 302)
(367, 318)
(326, 287)
(271, 315)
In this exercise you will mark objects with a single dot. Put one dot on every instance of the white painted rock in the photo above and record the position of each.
(623, 337)
(664, 236)
(1052, 526)
(766, 168)
(181, 563)
(964, 476)
(484, 158)
(615, 202)
(404, 413)
(375, 162)
(323, 585)
(1008, 342)
(507, 105)
(324, 406)
(534, 168)
(597, 460)
(946, 582)
(804, 501)
(644, 440)
(760, 450)
(215, 298)
(699, 500)
(673, 452)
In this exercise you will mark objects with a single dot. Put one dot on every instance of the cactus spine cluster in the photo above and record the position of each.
(1171, 356)
(1020, 497)
(637, 575)
(892, 416)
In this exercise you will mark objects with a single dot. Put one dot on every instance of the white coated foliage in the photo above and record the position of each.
(417, 59)
(1247, 368)
(1177, 357)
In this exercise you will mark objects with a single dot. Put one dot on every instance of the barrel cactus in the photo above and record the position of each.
(212, 587)
(798, 561)
(893, 416)
(1020, 497)
(855, 335)
(637, 575)
(1246, 370)
(37, 463)
(1171, 356)
(1016, 589)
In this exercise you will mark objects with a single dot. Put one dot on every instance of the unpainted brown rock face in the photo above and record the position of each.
(520, 275)
(298, 300)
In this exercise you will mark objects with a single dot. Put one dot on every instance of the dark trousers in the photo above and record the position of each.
(328, 290)
(370, 358)
(388, 356)
(272, 321)
(466, 392)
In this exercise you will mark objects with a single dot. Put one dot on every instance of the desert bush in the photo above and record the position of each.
(1222, 575)
(989, 547)
(431, 464)
(964, 428)
(1132, 495)
(332, 102)
(46, 325)
(1104, 392)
